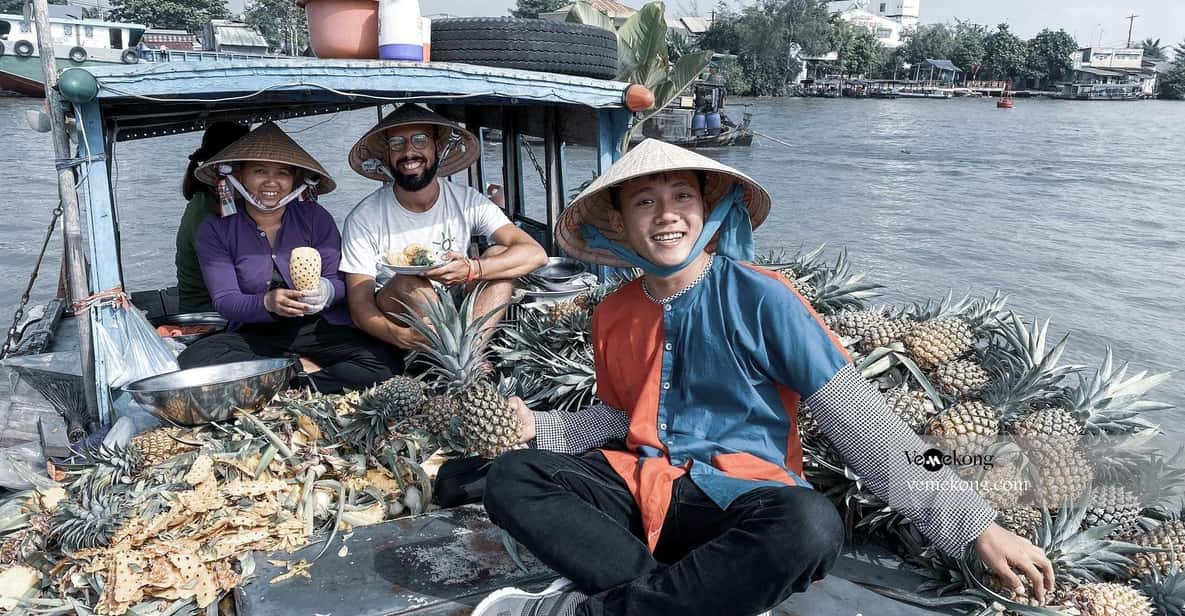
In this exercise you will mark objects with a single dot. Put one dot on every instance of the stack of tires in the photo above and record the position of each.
(526, 44)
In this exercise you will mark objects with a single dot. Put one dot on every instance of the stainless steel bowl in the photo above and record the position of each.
(213, 319)
(212, 393)
(560, 269)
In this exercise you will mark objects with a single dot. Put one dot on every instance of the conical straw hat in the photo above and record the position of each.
(649, 157)
(374, 143)
(267, 143)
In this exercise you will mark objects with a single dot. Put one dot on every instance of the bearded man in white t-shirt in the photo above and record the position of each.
(411, 151)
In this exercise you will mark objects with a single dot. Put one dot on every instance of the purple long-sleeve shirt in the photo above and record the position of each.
(237, 261)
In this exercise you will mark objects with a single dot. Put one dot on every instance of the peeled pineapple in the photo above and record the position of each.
(1107, 600)
(305, 268)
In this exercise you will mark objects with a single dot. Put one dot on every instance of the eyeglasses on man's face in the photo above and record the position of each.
(419, 141)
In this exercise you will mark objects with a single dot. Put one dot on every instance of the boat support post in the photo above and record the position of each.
(553, 150)
(512, 176)
(94, 380)
(612, 126)
(104, 243)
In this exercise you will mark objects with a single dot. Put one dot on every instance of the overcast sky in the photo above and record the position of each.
(1163, 19)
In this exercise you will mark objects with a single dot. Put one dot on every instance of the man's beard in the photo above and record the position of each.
(413, 183)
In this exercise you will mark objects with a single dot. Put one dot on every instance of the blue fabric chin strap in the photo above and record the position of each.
(728, 216)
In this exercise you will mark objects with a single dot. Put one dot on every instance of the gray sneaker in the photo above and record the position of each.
(558, 599)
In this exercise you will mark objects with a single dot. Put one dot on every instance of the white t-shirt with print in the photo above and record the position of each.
(379, 224)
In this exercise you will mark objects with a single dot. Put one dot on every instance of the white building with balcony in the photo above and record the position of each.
(905, 13)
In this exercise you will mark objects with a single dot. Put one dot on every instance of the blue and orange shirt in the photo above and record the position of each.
(711, 383)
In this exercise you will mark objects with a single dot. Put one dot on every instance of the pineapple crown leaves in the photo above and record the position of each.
(1110, 402)
(802, 264)
(880, 361)
(1165, 590)
(1085, 556)
(839, 289)
(457, 348)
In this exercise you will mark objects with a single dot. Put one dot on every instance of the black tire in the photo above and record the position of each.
(129, 56)
(23, 49)
(77, 55)
(526, 44)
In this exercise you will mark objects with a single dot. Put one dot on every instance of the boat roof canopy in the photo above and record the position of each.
(155, 99)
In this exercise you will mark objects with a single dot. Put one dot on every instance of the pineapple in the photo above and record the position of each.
(304, 266)
(1060, 477)
(804, 288)
(971, 426)
(90, 517)
(552, 357)
(488, 425)
(456, 357)
(1021, 520)
(913, 407)
(1169, 537)
(938, 342)
(439, 412)
(1166, 592)
(854, 322)
(1111, 504)
(1002, 486)
(388, 402)
(1107, 600)
(1048, 428)
(884, 334)
(961, 378)
(160, 444)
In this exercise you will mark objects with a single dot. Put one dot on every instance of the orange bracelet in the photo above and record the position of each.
(470, 275)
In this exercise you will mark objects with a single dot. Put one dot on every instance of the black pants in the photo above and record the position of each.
(349, 359)
(578, 517)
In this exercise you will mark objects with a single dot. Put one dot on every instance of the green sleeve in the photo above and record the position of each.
(191, 288)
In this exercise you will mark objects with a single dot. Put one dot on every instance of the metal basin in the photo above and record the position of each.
(560, 269)
(215, 321)
(212, 393)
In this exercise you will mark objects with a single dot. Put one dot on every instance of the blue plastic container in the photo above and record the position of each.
(699, 122)
(713, 122)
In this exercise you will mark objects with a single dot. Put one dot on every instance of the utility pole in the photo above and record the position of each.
(1131, 23)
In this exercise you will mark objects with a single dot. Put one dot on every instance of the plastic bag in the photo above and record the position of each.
(131, 345)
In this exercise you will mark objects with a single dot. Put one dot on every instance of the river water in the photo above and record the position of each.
(1072, 209)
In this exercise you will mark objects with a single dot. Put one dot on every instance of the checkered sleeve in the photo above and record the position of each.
(578, 432)
(876, 444)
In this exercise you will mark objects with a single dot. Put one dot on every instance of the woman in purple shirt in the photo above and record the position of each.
(267, 189)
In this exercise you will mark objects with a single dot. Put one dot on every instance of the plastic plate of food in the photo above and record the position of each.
(413, 259)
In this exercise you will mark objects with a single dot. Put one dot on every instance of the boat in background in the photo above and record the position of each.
(77, 42)
(697, 119)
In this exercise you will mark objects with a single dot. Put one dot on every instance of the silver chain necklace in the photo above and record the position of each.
(703, 274)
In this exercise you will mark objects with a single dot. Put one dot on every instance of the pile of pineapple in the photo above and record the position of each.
(1073, 468)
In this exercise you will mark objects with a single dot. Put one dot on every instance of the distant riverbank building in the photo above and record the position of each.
(1109, 72)
(887, 20)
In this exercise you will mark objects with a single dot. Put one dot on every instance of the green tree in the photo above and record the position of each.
(1050, 56)
(281, 22)
(969, 47)
(1005, 55)
(860, 51)
(766, 36)
(929, 41)
(1153, 50)
(188, 15)
(1172, 83)
(532, 8)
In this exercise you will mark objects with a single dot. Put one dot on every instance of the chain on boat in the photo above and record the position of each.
(13, 333)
